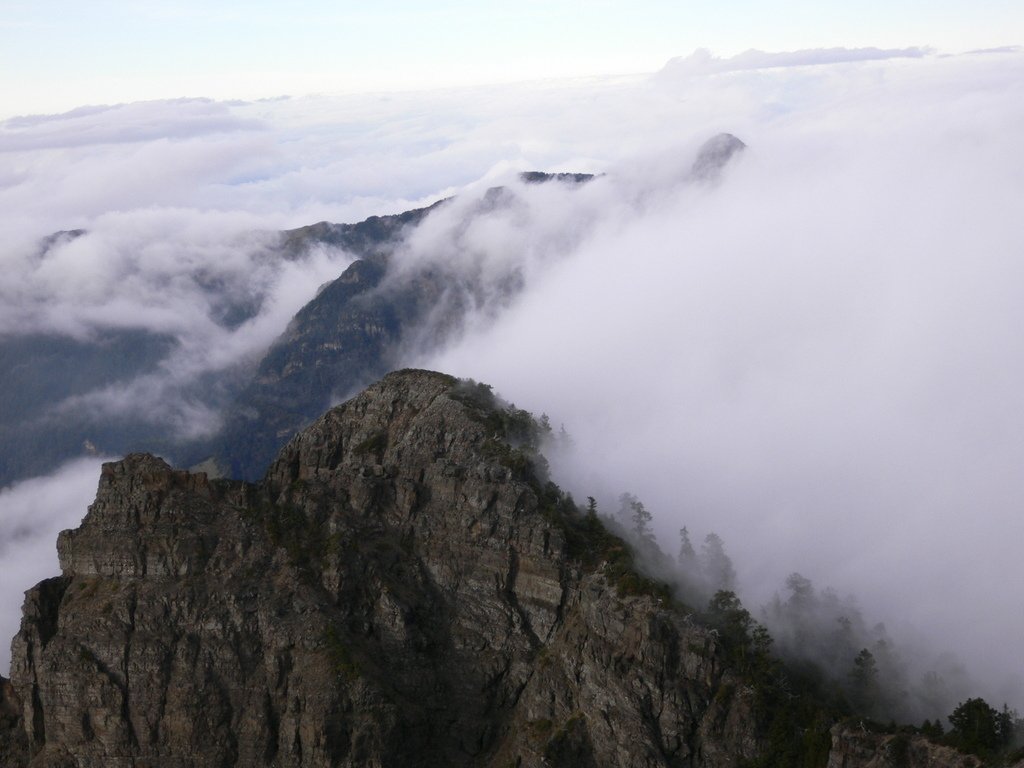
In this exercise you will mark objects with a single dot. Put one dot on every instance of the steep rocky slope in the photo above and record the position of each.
(402, 589)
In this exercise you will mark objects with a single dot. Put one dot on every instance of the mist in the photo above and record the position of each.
(816, 356)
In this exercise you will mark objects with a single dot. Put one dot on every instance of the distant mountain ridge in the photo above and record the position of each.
(365, 323)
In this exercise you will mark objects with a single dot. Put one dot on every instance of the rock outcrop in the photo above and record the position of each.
(854, 746)
(713, 156)
(402, 589)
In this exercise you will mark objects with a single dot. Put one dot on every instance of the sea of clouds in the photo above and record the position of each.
(818, 356)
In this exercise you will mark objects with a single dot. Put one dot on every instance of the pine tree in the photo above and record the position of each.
(715, 565)
(975, 727)
(641, 519)
(864, 681)
(687, 555)
(801, 592)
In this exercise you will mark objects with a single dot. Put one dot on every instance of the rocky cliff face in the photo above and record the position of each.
(400, 590)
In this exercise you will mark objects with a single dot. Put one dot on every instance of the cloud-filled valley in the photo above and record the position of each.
(817, 356)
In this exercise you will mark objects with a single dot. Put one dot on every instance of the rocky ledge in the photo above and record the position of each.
(402, 589)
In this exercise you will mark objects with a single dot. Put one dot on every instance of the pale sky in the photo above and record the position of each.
(56, 54)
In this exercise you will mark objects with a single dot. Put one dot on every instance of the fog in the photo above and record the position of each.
(816, 356)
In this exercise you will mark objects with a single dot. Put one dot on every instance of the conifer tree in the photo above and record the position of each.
(715, 565)
(975, 727)
(687, 555)
(641, 520)
(864, 680)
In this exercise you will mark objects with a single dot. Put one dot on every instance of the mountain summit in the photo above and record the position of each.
(714, 155)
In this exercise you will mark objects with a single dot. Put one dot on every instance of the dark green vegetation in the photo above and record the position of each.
(515, 442)
(994, 735)
(823, 674)
(975, 728)
(514, 437)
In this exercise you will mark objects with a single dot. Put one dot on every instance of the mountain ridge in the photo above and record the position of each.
(333, 346)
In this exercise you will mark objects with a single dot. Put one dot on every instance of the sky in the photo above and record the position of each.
(818, 357)
(56, 54)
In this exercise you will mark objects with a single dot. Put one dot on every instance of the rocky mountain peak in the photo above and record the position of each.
(399, 590)
(403, 588)
(714, 154)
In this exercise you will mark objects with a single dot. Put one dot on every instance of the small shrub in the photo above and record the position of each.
(345, 666)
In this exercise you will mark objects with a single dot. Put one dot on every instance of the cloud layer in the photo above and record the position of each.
(818, 357)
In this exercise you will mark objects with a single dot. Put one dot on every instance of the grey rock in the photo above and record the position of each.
(714, 155)
(853, 746)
